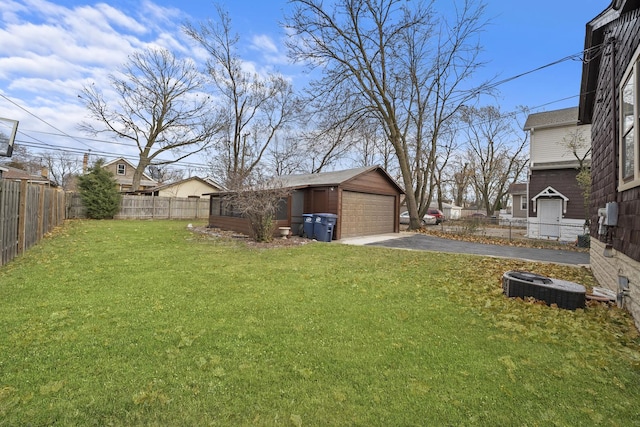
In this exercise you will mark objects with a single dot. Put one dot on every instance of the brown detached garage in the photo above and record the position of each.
(366, 201)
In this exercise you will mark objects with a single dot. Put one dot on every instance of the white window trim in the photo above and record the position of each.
(634, 67)
(124, 169)
(523, 203)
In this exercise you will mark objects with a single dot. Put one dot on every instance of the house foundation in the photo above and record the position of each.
(614, 271)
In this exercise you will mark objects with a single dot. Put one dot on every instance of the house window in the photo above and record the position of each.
(282, 211)
(121, 169)
(629, 124)
(523, 203)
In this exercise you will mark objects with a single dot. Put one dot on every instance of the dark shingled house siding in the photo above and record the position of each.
(604, 136)
(563, 181)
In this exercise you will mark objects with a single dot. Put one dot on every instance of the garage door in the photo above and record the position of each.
(366, 214)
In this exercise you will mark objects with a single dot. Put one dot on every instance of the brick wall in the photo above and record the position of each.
(606, 271)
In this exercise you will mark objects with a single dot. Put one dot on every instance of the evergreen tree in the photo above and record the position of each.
(99, 192)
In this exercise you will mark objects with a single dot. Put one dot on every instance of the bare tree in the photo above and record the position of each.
(258, 200)
(159, 106)
(164, 174)
(496, 153)
(370, 148)
(400, 64)
(329, 141)
(580, 148)
(460, 180)
(441, 164)
(22, 158)
(287, 155)
(255, 107)
(61, 166)
(335, 128)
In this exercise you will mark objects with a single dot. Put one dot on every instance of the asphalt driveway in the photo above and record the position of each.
(425, 242)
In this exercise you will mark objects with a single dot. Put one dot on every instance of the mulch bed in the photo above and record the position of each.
(277, 242)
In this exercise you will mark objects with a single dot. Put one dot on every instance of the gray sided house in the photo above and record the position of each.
(556, 207)
(610, 102)
(366, 201)
(519, 200)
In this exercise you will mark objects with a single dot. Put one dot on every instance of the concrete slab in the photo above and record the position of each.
(367, 240)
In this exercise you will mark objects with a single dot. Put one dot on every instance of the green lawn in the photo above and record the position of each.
(145, 323)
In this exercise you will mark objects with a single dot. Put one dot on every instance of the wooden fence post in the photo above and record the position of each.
(41, 196)
(22, 216)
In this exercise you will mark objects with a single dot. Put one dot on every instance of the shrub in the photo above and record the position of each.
(99, 193)
(258, 200)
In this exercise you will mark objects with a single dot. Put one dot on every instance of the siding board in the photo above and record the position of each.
(626, 32)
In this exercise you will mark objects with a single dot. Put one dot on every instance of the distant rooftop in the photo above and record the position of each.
(565, 116)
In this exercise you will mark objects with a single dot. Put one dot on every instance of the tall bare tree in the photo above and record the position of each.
(402, 63)
(23, 159)
(255, 106)
(286, 155)
(370, 147)
(460, 179)
(61, 166)
(159, 106)
(496, 152)
(164, 174)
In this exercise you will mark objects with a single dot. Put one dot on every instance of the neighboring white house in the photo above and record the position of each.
(193, 187)
(449, 210)
(555, 202)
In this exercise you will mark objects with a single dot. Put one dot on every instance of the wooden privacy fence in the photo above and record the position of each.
(27, 213)
(148, 207)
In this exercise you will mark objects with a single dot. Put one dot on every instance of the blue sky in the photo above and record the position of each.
(50, 49)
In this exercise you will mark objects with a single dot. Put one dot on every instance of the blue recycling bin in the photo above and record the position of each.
(307, 226)
(323, 224)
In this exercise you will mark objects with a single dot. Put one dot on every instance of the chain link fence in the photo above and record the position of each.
(517, 229)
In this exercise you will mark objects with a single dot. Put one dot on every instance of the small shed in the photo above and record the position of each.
(366, 201)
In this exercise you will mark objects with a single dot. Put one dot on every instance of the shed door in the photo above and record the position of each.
(366, 214)
(550, 213)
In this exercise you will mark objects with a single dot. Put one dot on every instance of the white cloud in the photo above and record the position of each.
(264, 43)
(268, 49)
(9, 10)
(49, 52)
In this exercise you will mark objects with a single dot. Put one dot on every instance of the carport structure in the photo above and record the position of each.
(366, 201)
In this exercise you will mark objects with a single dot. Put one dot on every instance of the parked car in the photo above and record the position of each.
(426, 219)
(437, 213)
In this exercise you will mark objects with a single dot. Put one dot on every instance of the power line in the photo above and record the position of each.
(41, 119)
(478, 91)
(106, 154)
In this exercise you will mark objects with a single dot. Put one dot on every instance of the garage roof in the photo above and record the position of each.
(334, 178)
